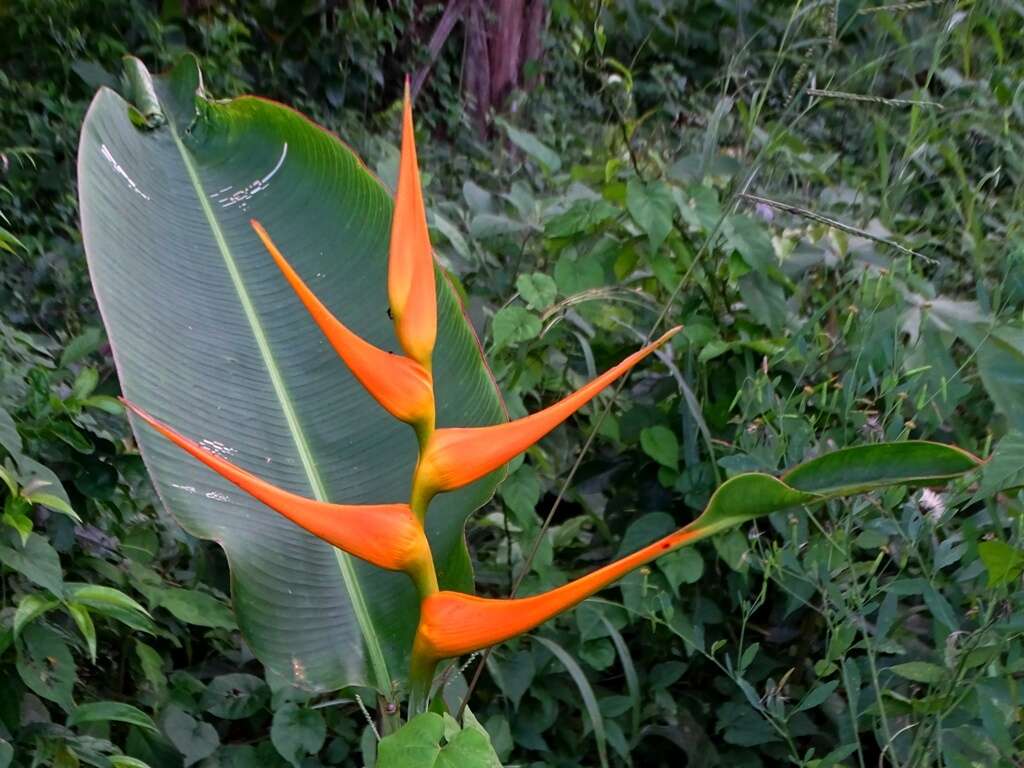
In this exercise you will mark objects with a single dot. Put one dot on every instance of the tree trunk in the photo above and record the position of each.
(501, 37)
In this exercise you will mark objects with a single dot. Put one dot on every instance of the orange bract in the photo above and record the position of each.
(402, 386)
(386, 535)
(453, 624)
(457, 456)
(411, 288)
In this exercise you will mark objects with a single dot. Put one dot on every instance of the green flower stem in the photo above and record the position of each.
(421, 679)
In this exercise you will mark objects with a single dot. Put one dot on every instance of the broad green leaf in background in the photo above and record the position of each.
(643, 529)
(660, 443)
(578, 272)
(512, 325)
(1001, 365)
(751, 240)
(123, 761)
(532, 146)
(684, 566)
(1005, 467)
(193, 738)
(651, 206)
(112, 603)
(921, 671)
(9, 477)
(194, 607)
(45, 665)
(83, 620)
(431, 740)
(487, 225)
(1004, 562)
(103, 711)
(10, 440)
(699, 207)
(208, 336)
(538, 290)
(513, 674)
(40, 485)
(31, 606)
(85, 383)
(80, 347)
(36, 560)
(8, 242)
(582, 216)
(817, 696)
(235, 696)
(521, 492)
(852, 470)
(297, 732)
(999, 349)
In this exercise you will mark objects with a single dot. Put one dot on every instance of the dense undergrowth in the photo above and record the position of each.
(828, 197)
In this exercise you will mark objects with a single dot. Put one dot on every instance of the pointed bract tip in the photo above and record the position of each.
(407, 124)
(457, 456)
(667, 335)
(138, 410)
(411, 289)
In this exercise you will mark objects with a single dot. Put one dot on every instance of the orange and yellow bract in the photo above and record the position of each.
(411, 284)
(402, 386)
(457, 456)
(453, 623)
(386, 535)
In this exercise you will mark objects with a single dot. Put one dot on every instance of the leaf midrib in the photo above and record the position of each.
(345, 565)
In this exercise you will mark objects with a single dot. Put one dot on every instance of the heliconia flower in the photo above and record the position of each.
(454, 623)
(402, 386)
(411, 289)
(386, 535)
(456, 456)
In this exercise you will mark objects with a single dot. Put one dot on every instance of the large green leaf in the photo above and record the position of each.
(839, 473)
(432, 741)
(208, 337)
(747, 497)
(864, 467)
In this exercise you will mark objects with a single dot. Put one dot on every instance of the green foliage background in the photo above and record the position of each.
(882, 301)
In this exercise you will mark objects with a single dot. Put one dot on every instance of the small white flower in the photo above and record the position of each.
(931, 504)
